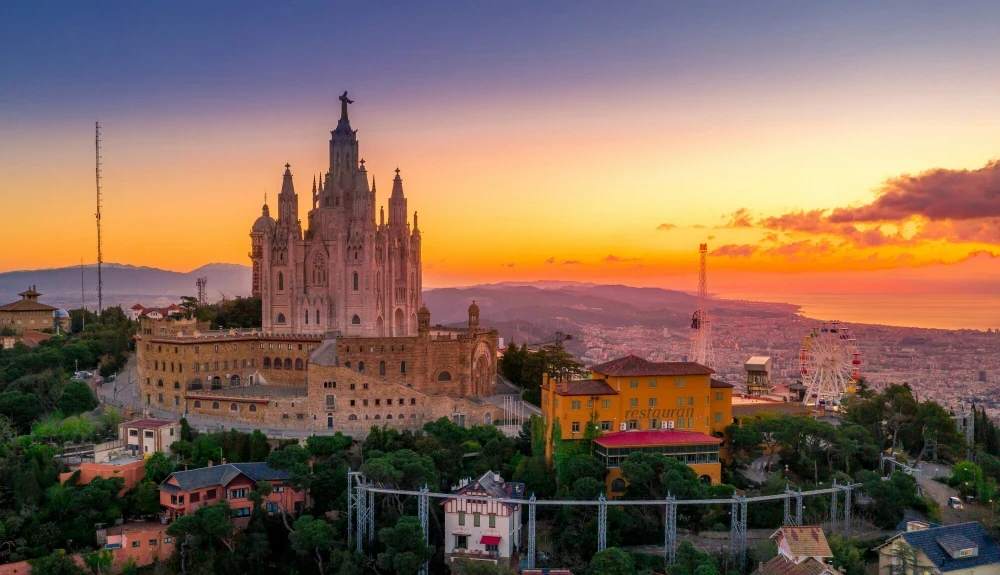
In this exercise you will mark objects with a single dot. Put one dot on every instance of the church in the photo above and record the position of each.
(345, 342)
(346, 272)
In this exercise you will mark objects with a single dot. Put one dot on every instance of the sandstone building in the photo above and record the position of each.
(344, 341)
(28, 313)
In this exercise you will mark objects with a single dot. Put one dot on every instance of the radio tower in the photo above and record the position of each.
(83, 298)
(701, 342)
(202, 284)
(100, 256)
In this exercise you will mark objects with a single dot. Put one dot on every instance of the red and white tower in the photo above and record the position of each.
(701, 340)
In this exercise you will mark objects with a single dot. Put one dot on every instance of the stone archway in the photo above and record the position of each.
(483, 372)
(379, 327)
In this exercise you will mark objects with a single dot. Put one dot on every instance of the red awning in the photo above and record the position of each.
(490, 540)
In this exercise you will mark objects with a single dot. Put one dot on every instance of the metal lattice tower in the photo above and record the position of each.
(834, 513)
(422, 508)
(352, 504)
(100, 255)
(360, 499)
(202, 284)
(787, 517)
(531, 532)
(847, 510)
(738, 530)
(701, 342)
(670, 529)
(602, 523)
(370, 515)
(83, 298)
(798, 508)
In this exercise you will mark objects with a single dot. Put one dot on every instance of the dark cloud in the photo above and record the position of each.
(801, 250)
(812, 222)
(735, 251)
(665, 227)
(551, 260)
(571, 262)
(937, 194)
(739, 219)
(612, 259)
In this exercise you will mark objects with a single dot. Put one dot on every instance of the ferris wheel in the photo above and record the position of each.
(830, 363)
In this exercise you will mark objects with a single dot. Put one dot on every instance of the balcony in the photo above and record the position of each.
(474, 555)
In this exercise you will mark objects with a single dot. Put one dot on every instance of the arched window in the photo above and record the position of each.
(317, 317)
(307, 317)
(281, 282)
(361, 367)
(402, 367)
(197, 405)
(381, 368)
(177, 385)
(215, 405)
(299, 365)
(234, 380)
(288, 363)
(618, 485)
(281, 318)
(378, 417)
(356, 320)
(318, 269)
(355, 281)
(216, 382)
(389, 416)
(401, 416)
(347, 364)
(444, 376)
(232, 407)
(277, 363)
(352, 417)
(267, 363)
(253, 408)
(413, 416)
(159, 383)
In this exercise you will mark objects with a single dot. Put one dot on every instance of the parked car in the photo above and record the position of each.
(954, 503)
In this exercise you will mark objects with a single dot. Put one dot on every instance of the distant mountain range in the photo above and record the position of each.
(522, 310)
(124, 284)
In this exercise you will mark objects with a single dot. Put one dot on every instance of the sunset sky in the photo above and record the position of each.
(815, 146)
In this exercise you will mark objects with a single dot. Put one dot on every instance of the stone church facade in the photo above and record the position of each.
(345, 272)
(341, 297)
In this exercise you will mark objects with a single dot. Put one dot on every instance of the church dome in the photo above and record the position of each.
(264, 223)
(474, 309)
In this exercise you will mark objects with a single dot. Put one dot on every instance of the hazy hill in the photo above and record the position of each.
(125, 284)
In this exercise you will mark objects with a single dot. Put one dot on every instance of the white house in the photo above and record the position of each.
(483, 530)
(135, 311)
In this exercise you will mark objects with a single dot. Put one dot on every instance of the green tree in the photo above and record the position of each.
(313, 538)
(76, 398)
(200, 534)
(58, 563)
(469, 567)
(100, 562)
(158, 468)
(612, 561)
(405, 550)
(259, 447)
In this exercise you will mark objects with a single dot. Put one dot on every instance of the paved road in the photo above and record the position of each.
(940, 492)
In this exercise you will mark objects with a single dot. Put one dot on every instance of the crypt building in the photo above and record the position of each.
(345, 341)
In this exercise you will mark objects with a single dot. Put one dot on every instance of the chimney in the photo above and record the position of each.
(209, 462)
(223, 460)
(185, 467)
(565, 383)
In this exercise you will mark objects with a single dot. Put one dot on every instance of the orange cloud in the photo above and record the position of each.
(739, 219)
(611, 259)
(735, 251)
(665, 227)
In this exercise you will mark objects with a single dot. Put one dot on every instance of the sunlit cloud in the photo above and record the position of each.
(741, 218)
(611, 259)
(734, 251)
(665, 227)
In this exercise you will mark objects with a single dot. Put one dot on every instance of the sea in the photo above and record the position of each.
(941, 311)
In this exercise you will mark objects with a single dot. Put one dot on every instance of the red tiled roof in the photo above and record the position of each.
(634, 366)
(806, 541)
(27, 305)
(583, 387)
(719, 384)
(654, 437)
(781, 565)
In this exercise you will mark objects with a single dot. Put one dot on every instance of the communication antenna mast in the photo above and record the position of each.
(83, 298)
(202, 284)
(701, 343)
(100, 256)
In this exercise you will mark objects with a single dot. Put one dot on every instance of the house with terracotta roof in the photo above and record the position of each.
(134, 312)
(28, 313)
(802, 550)
(631, 394)
(483, 530)
(183, 492)
(699, 451)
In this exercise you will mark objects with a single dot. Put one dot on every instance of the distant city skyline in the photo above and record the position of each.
(818, 149)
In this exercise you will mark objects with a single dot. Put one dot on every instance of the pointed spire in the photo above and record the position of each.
(363, 164)
(381, 216)
(287, 187)
(415, 227)
(397, 186)
(314, 185)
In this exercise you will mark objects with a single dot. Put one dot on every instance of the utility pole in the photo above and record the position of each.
(100, 256)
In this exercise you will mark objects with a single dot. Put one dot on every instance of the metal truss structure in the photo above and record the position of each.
(670, 529)
(602, 523)
(738, 530)
(531, 532)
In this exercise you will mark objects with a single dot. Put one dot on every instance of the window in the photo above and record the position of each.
(378, 402)
(652, 382)
(590, 404)
(633, 402)
(278, 489)
(361, 367)
(352, 417)
(718, 417)
(690, 401)
(576, 427)
(633, 424)
(680, 423)
(271, 507)
(177, 385)
(238, 493)
(232, 407)
(633, 383)
(402, 367)
(159, 383)
(708, 400)
(281, 318)
(197, 404)
(299, 365)
(492, 548)
(210, 494)
(329, 385)
(355, 320)
(161, 398)
(618, 485)
(329, 401)
(215, 405)
(680, 401)
(461, 542)
(679, 382)
(475, 519)
(177, 401)
(493, 521)
(413, 401)
(652, 402)
(195, 497)
(148, 434)
(167, 540)
(136, 543)
(253, 408)
(241, 512)
(281, 286)
(444, 376)
(605, 426)
(381, 368)
(606, 404)
(355, 280)
(575, 404)
(690, 423)
(654, 423)
(718, 396)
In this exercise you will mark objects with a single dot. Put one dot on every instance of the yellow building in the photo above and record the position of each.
(631, 394)
(28, 313)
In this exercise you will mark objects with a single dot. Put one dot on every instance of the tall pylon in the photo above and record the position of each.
(100, 255)
(701, 323)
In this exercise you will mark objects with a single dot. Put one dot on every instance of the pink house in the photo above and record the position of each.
(184, 492)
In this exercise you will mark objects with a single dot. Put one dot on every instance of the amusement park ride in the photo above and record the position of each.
(830, 364)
